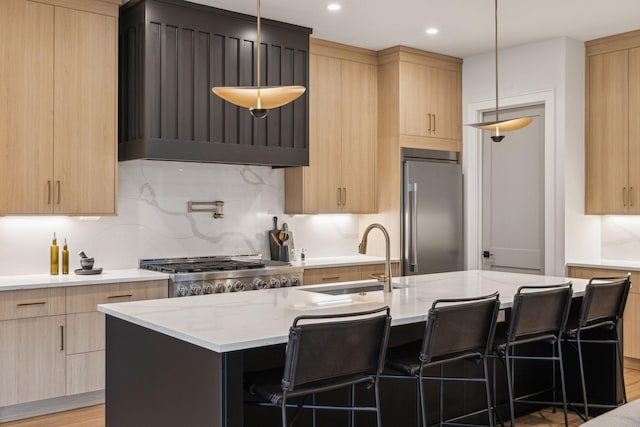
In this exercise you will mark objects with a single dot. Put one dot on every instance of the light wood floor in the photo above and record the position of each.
(94, 416)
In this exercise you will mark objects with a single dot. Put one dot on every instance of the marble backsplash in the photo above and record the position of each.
(153, 220)
(621, 238)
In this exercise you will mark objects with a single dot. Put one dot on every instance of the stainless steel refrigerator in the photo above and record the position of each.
(432, 219)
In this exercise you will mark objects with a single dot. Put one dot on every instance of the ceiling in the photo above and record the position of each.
(465, 26)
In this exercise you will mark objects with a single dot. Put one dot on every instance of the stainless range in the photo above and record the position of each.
(220, 274)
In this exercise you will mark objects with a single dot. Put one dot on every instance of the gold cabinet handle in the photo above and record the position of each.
(429, 122)
(331, 278)
(49, 190)
(27, 304)
(339, 196)
(58, 184)
(624, 196)
(344, 196)
(120, 296)
(630, 196)
(434, 123)
(61, 337)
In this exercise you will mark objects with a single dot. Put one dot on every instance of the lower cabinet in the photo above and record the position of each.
(52, 340)
(85, 356)
(314, 276)
(32, 354)
(631, 320)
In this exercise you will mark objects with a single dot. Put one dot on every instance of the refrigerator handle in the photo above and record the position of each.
(413, 228)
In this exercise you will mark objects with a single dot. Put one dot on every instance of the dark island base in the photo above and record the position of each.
(154, 379)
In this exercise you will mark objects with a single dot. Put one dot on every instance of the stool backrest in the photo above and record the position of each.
(460, 325)
(335, 346)
(604, 300)
(539, 310)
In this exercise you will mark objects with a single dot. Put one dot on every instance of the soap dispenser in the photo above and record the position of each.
(54, 256)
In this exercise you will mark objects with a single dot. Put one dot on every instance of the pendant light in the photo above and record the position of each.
(259, 100)
(498, 125)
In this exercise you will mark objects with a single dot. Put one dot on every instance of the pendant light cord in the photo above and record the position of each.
(259, 104)
(496, 37)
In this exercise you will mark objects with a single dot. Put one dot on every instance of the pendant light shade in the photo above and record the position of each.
(259, 99)
(498, 125)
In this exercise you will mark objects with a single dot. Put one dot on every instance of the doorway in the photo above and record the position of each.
(513, 195)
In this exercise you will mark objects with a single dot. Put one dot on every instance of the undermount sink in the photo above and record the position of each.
(355, 288)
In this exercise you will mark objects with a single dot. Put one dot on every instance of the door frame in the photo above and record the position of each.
(553, 194)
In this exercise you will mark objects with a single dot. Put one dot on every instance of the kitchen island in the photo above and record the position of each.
(181, 361)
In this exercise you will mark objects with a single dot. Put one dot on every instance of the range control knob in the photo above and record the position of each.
(207, 288)
(274, 283)
(196, 290)
(219, 288)
(258, 284)
(285, 282)
(237, 286)
(295, 281)
(182, 291)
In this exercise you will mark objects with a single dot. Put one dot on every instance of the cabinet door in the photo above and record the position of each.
(358, 137)
(26, 107)
(314, 276)
(414, 99)
(33, 359)
(322, 177)
(634, 131)
(607, 148)
(631, 328)
(445, 104)
(85, 75)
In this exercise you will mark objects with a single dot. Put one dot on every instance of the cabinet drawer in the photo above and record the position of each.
(588, 273)
(85, 372)
(31, 303)
(85, 332)
(315, 276)
(82, 299)
(368, 270)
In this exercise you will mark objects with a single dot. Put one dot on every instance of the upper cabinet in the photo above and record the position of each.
(424, 91)
(58, 109)
(173, 52)
(612, 149)
(342, 154)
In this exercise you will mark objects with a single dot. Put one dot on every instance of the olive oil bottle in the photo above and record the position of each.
(65, 258)
(54, 256)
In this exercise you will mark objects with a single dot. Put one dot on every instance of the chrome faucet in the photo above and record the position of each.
(362, 248)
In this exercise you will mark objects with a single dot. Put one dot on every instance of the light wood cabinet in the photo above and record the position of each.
(32, 355)
(613, 132)
(314, 276)
(342, 122)
(85, 338)
(631, 319)
(59, 112)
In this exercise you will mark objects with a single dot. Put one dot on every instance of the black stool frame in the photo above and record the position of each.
(602, 306)
(456, 329)
(539, 314)
(331, 352)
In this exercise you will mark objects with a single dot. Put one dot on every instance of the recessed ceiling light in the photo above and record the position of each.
(334, 7)
(432, 31)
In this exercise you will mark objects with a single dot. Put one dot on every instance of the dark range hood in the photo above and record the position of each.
(172, 52)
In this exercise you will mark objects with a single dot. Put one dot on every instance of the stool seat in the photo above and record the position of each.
(267, 385)
(403, 358)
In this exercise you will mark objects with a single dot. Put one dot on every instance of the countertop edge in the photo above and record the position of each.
(39, 281)
(607, 264)
(346, 261)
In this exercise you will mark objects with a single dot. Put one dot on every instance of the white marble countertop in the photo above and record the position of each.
(342, 261)
(607, 263)
(10, 283)
(236, 321)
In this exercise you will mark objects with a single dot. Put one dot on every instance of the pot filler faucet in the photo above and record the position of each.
(362, 248)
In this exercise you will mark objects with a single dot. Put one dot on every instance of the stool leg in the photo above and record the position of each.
(509, 385)
(378, 415)
(582, 382)
(422, 408)
(485, 373)
(284, 410)
(564, 390)
(441, 394)
(352, 413)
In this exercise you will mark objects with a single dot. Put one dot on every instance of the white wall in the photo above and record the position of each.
(550, 71)
(153, 221)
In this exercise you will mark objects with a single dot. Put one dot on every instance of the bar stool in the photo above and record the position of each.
(538, 315)
(602, 308)
(327, 352)
(456, 329)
